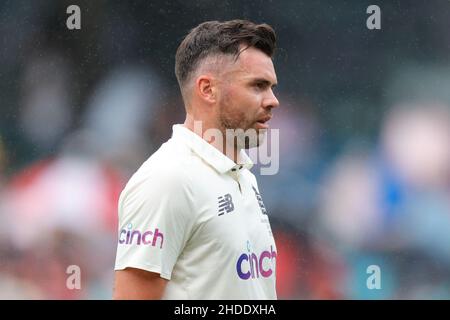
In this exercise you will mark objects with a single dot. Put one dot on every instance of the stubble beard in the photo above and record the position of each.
(237, 131)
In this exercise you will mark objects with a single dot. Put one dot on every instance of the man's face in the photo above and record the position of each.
(245, 97)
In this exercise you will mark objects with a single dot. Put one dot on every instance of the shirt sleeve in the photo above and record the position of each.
(156, 219)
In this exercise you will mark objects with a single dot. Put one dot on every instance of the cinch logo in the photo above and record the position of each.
(250, 265)
(136, 237)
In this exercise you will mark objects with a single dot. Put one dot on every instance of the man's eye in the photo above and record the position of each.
(260, 85)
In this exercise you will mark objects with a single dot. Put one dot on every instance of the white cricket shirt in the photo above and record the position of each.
(196, 217)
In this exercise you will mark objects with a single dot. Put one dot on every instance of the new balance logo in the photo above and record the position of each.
(260, 202)
(225, 204)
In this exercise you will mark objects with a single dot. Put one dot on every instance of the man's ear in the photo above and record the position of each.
(206, 88)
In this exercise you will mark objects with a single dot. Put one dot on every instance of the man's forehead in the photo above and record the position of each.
(253, 63)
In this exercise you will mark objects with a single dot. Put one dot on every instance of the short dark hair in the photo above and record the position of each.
(214, 37)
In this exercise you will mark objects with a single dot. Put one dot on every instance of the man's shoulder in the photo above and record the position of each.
(173, 162)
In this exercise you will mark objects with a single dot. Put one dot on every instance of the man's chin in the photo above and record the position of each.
(251, 137)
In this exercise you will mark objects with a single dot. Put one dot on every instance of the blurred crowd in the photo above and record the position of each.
(364, 176)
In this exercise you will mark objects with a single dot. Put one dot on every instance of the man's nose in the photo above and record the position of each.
(271, 101)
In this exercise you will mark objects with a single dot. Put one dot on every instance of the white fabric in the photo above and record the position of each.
(172, 203)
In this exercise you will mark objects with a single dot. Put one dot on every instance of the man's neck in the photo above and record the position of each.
(201, 127)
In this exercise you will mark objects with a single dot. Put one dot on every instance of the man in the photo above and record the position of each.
(192, 224)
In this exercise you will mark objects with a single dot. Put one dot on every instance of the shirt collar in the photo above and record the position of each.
(210, 154)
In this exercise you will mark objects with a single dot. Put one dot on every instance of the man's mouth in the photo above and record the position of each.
(262, 122)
